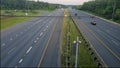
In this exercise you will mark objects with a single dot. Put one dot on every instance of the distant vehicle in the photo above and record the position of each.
(93, 23)
(75, 14)
(92, 17)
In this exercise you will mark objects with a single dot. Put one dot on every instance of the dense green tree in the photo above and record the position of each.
(26, 4)
(106, 8)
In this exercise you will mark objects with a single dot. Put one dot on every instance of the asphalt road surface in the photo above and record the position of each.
(104, 37)
(35, 43)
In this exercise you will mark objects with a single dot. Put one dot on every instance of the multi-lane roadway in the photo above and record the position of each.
(104, 37)
(35, 43)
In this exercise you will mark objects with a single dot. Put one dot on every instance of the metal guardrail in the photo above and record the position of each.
(93, 52)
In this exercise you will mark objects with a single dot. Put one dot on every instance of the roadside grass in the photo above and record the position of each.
(10, 21)
(64, 32)
(21, 12)
(84, 57)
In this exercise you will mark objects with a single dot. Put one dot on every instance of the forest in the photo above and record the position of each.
(26, 4)
(109, 9)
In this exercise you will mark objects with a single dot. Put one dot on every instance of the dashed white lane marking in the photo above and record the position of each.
(16, 35)
(3, 44)
(11, 39)
(20, 60)
(29, 50)
(35, 41)
(41, 33)
(21, 32)
(44, 29)
(11, 50)
(37, 38)
(115, 42)
(47, 26)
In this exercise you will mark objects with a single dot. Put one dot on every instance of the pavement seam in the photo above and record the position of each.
(43, 54)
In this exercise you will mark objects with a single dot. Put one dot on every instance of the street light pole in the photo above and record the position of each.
(76, 53)
(76, 59)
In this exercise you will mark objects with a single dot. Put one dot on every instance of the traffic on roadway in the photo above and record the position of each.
(37, 43)
(102, 35)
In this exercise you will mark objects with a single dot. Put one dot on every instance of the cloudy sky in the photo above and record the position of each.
(66, 2)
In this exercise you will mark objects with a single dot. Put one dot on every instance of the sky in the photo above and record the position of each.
(66, 2)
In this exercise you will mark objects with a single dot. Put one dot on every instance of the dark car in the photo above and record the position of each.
(75, 14)
(93, 23)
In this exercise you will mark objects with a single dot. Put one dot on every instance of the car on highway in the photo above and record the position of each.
(75, 14)
(93, 23)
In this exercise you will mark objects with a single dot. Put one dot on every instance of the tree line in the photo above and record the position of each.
(109, 9)
(26, 4)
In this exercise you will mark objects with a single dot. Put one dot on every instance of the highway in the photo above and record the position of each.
(103, 37)
(35, 43)
(54, 49)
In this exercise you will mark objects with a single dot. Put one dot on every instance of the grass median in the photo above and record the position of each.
(84, 57)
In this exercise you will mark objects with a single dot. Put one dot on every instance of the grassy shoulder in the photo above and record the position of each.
(84, 58)
(10, 21)
(21, 12)
(64, 32)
